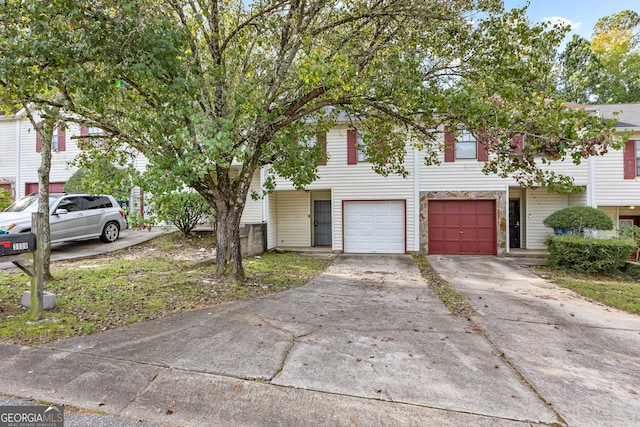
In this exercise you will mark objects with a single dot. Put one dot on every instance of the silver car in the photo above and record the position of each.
(73, 217)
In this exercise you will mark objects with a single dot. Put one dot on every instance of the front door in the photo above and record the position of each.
(322, 222)
(514, 224)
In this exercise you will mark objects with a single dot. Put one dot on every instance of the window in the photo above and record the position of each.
(361, 155)
(54, 141)
(466, 146)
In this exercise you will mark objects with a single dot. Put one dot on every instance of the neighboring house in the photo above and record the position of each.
(451, 208)
(21, 148)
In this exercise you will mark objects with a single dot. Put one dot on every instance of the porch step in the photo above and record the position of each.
(528, 253)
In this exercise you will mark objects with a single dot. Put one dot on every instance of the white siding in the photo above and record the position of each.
(539, 205)
(272, 221)
(467, 175)
(252, 213)
(355, 182)
(8, 147)
(61, 171)
(293, 221)
(610, 186)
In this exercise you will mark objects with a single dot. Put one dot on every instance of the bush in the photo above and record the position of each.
(5, 199)
(632, 232)
(184, 210)
(578, 218)
(589, 255)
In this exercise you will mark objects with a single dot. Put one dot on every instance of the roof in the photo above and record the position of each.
(628, 117)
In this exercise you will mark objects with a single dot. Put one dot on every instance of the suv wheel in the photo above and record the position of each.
(110, 232)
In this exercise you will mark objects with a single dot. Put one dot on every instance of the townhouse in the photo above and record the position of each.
(451, 208)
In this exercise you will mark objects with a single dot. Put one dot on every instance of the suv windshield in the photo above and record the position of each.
(29, 204)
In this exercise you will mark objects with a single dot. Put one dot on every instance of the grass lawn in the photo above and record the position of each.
(152, 280)
(620, 292)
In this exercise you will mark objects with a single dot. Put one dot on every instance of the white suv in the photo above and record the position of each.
(73, 217)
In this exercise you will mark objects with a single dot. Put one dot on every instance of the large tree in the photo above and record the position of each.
(201, 87)
(607, 68)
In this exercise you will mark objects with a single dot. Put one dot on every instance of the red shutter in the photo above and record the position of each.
(483, 156)
(62, 143)
(83, 141)
(449, 146)
(630, 159)
(322, 139)
(518, 141)
(38, 138)
(352, 149)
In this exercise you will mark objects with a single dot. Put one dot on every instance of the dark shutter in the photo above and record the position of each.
(630, 159)
(352, 149)
(483, 156)
(62, 143)
(449, 146)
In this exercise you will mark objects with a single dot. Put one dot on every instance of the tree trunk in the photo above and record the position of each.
(45, 130)
(228, 249)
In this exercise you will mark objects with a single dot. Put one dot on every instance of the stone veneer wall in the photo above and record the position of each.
(501, 205)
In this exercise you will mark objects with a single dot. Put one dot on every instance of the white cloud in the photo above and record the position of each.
(560, 20)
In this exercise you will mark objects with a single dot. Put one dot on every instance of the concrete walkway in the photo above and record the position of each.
(364, 344)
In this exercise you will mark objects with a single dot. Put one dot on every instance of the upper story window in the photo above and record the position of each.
(361, 154)
(466, 146)
(58, 142)
(463, 145)
(312, 141)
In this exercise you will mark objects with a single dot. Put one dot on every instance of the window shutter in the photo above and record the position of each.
(322, 140)
(83, 141)
(449, 146)
(483, 156)
(62, 143)
(629, 159)
(352, 149)
(518, 142)
(38, 138)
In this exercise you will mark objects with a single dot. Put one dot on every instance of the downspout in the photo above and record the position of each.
(591, 184)
(265, 198)
(17, 177)
(416, 200)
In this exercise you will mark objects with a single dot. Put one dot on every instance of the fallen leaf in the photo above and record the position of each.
(238, 385)
(377, 390)
(632, 391)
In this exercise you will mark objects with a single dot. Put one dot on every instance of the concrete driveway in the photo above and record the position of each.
(581, 357)
(364, 344)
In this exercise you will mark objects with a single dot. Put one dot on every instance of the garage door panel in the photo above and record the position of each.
(374, 227)
(462, 227)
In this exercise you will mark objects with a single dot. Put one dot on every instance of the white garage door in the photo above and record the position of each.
(374, 227)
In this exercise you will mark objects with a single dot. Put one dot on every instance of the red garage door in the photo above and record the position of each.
(462, 227)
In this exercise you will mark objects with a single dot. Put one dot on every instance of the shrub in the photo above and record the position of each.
(578, 218)
(184, 210)
(589, 255)
(5, 199)
(631, 232)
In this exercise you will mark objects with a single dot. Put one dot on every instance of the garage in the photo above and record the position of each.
(462, 227)
(371, 227)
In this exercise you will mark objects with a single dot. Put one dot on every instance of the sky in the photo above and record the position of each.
(581, 14)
